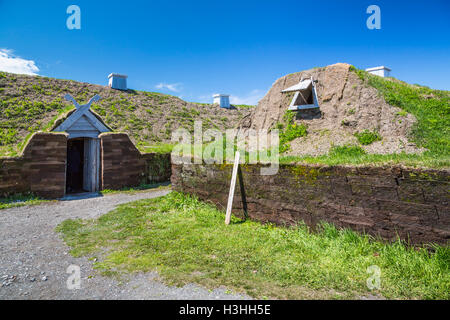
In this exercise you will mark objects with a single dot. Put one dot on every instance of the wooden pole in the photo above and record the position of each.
(232, 187)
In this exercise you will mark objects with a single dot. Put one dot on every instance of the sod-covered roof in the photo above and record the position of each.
(33, 103)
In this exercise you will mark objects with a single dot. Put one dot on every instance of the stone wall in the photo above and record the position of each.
(124, 166)
(41, 169)
(382, 201)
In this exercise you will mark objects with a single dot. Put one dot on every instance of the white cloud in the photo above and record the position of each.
(251, 98)
(14, 64)
(208, 98)
(175, 87)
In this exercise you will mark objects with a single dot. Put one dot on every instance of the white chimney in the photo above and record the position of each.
(117, 81)
(381, 71)
(223, 100)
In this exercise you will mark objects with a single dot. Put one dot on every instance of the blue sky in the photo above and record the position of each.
(193, 49)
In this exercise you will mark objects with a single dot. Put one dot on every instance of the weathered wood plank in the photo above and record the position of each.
(232, 187)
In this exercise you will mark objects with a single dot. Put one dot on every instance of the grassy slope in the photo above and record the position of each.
(32, 103)
(432, 130)
(185, 240)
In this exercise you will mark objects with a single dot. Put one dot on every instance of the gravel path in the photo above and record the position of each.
(34, 259)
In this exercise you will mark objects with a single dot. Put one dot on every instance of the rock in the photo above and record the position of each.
(349, 123)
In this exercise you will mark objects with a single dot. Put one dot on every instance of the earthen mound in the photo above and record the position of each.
(347, 107)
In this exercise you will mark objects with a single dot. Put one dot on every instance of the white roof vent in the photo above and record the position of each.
(223, 100)
(117, 81)
(381, 71)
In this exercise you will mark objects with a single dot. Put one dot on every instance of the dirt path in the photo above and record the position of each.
(34, 259)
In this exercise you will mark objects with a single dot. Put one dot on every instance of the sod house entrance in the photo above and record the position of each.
(83, 165)
(83, 147)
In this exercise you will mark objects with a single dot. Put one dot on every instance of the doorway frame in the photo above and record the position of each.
(91, 164)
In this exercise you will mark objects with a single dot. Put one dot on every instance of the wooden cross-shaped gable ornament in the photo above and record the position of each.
(82, 110)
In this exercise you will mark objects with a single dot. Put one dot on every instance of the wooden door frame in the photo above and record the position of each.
(91, 163)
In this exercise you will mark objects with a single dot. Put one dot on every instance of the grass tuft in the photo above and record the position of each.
(290, 131)
(367, 137)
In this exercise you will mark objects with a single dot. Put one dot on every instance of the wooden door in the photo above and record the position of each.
(91, 164)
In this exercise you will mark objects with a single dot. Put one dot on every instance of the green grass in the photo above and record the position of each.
(8, 136)
(289, 131)
(20, 200)
(185, 240)
(367, 137)
(430, 107)
(347, 155)
(402, 113)
(140, 188)
(347, 151)
(158, 148)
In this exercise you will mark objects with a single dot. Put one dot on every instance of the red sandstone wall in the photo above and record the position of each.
(383, 201)
(41, 169)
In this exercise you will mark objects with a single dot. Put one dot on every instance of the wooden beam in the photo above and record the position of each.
(82, 110)
(232, 187)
